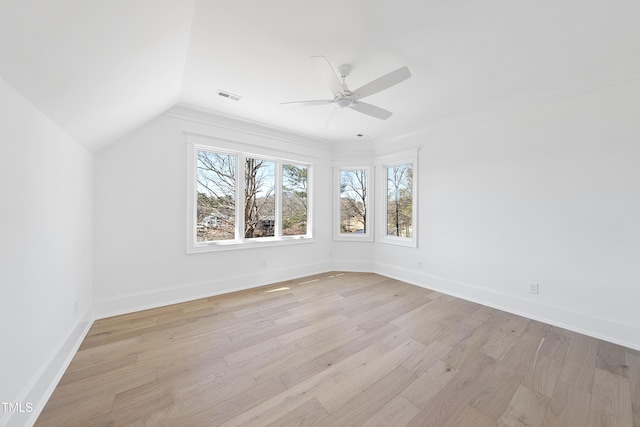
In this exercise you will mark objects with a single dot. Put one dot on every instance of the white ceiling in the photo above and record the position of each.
(101, 68)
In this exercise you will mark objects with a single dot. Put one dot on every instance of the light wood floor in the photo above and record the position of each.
(342, 349)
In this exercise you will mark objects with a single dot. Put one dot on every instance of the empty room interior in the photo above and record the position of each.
(320, 213)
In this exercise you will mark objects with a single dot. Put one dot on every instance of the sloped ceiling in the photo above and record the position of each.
(100, 68)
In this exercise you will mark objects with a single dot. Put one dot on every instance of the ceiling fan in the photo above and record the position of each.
(345, 98)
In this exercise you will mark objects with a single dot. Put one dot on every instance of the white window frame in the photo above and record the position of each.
(337, 235)
(240, 242)
(382, 164)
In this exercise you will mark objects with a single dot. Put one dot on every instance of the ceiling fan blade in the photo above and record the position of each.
(308, 103)
(328, 74)
(371, 110)
(382, 83)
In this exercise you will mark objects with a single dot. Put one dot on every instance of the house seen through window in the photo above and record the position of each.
(243, 197)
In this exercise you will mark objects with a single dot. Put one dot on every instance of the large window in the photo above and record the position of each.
(397, 183)
(242, 198)
(353, 203)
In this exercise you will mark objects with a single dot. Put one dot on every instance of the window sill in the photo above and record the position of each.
(399, 241)
(353, 238)
(247, 244)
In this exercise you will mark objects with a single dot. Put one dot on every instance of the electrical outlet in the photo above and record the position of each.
(264, 263)
(75, 307)
(534, 289)
(419, 264)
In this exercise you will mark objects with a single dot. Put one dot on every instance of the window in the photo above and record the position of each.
(216, 196)
(398, 201)
(242, 198)
(295, 193)
(353, 214)
(259, 198)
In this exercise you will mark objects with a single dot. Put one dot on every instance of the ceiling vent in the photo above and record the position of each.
(228, 95)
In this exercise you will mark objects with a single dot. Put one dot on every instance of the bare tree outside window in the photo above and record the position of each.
(353, 201)
(216, 188)
(229, 210)
(400, 200)
(294, 199)
(259, 198)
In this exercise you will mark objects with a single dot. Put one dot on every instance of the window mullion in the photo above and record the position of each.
(240, 197)
(278, 200)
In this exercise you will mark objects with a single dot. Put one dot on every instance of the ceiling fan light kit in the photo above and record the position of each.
(345, 98)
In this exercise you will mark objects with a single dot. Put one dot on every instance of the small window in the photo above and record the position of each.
(398, 201)
(353, 216)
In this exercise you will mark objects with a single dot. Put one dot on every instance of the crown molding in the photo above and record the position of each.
(228, 122)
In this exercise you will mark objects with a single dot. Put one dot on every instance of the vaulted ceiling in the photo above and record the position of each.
(101, 68)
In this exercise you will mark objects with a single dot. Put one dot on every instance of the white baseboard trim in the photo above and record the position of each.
(42, 384)
(136, 301)
(352, 266)
(594, 325)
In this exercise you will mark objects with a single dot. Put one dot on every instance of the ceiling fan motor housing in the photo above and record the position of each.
(344, 102)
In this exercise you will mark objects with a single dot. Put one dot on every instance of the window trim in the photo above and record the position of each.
(382, 164)
(370, 223)
(240, 242)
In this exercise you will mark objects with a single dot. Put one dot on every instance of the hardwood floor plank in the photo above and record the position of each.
(397, 412)
(633, 361)
(556, 346)
(288, 363)
(429, 384)
(335, 356)
(247, 353)
(97, 368)
(522, 354)
(493, 398)
(306, 414)
(456, 393)
(469, 417)
(579, 366)
(342, 349)
(610, 401)
(363, 376)
(542, 375)
(420, 361)
(568, 407)
(527, 408)
(371, 400)
(612, 358)
(499, 345)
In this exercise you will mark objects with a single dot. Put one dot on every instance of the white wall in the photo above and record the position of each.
(45, 251)
(140, 218)
(551, 195)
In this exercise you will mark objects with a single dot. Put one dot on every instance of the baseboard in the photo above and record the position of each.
(351, 266)
(136, 301)
(40, 388)
(594, 325)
